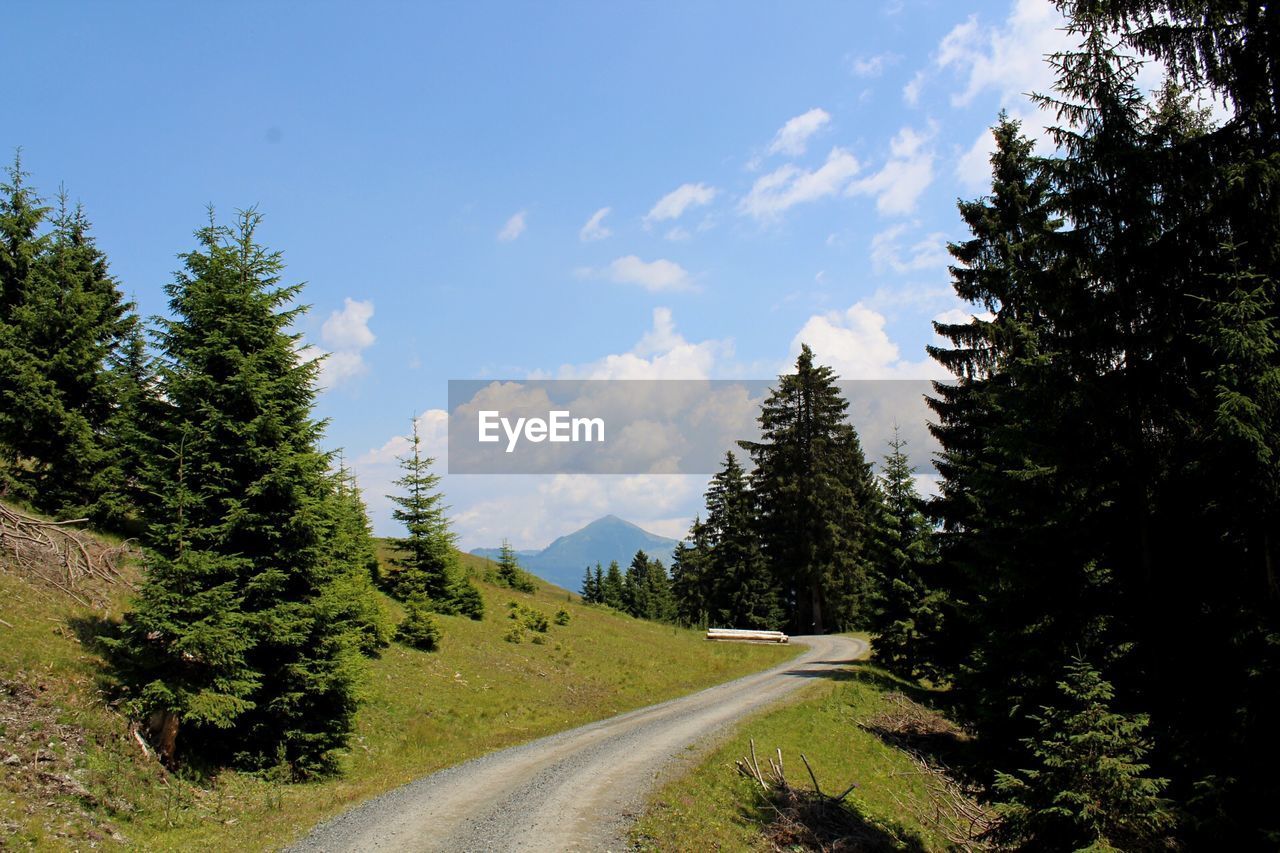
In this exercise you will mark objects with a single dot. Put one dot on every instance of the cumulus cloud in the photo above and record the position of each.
(348, 329)
(662, 353)
(855, 344)
(777, 192)
(892, 250)
(1008, 57)
(514, 228)
(793, 137)
(433, 433)
(595, 229)
(655, 276)
(898, 184)
(345, 335)
(674, 204)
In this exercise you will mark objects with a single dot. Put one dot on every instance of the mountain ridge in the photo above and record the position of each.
(604, 540)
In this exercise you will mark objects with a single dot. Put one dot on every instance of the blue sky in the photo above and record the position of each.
(504, 190)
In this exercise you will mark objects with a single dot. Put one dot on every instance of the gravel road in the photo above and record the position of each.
(577, 790)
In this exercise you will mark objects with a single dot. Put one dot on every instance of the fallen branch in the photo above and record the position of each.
(59, 555)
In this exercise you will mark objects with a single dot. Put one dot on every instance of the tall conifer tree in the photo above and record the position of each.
(814, 496)
(234, 648)
(424, 564)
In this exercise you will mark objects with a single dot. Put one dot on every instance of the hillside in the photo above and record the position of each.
(602, 541)
(72, 774)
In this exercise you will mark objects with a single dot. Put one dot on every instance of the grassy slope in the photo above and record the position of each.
(712, 807)
(77, 776)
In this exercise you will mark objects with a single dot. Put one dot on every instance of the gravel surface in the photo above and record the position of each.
(577, 790)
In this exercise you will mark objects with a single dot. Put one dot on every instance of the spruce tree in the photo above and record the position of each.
(1088, 787)
(690, 578)
(233, 649)
(661, 603)
(613, 588)
(635, 587)
(424, 562)
(814, 497)
(905, 612)
(62, 319)
(353, 592)
(589, 594)
(509, 572)
(134, 440)
(742, 591)
(23, 383)
(418, 628)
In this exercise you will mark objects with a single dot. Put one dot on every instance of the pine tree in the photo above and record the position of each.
(419, 628)
(691, 578)
(509, 572)
(662, 606)
(64, 320)
(741, 590)
(353, 594)
(613, 587)
(635, 587)
(1088, 787)
(589, 593)
(134, 440)
(234, 639)
(813, 491)
(905, 613)
(424, 563)
(23, 383)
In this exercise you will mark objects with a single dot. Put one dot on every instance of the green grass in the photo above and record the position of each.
(422, 712)
(713, 807)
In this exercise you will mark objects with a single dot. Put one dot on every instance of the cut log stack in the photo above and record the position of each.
(748, 636)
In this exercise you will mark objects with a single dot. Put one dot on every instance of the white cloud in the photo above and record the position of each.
(682, 198)
(345, 334)
(662, 353)
(911, 91)
(789, 185)
(889, 251)
(855, 344)
(348, 329)
(533, 510)
(1008, 58)
(595, 229)
(655, 276)
(514, 228)
(872, 66)
(898, 184)
(433, 433)
(793, 136)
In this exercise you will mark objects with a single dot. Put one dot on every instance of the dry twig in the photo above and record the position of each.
(60, 555)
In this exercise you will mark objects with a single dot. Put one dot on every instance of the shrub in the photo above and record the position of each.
(418, 628)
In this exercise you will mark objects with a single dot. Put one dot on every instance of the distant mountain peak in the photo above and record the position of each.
(604, 540)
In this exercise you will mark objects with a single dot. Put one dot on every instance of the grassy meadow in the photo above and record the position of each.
(894, 807)
(72, 776)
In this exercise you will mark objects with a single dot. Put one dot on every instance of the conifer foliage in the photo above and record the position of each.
(1088, 788)
(905, 612)
(814, 498)
(240, 647)
(425, 564)
(62, 321)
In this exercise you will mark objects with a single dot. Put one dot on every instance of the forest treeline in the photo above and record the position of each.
(1096, 583)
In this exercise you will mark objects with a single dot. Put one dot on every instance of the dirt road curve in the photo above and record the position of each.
(577, 790)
